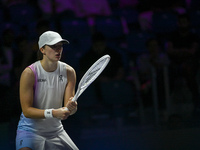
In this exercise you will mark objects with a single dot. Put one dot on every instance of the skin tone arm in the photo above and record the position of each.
(26, 95)
(26, 99)
(69, 94)
(70, 90)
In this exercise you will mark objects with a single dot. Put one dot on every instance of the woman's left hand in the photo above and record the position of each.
(72, 105)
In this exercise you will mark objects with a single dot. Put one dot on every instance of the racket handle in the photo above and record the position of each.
(74, 99)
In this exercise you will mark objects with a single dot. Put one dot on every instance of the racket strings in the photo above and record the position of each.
(94, 71)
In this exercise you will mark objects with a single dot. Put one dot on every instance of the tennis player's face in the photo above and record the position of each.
(54, 52)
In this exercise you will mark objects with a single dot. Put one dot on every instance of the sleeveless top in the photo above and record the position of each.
(49, 89)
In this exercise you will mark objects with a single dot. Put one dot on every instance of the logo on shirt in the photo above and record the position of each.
(60, 77)
(41, 80)
(21, 142)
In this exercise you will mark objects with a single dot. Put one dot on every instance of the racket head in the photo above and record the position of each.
(91, 74)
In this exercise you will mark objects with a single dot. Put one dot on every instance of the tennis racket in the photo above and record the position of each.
(92, 73)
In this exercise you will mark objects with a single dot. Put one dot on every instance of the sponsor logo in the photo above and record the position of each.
(41, 80)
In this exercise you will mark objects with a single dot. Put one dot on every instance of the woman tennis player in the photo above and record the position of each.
(45, 86)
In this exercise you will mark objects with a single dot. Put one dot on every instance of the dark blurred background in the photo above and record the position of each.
(148, 96)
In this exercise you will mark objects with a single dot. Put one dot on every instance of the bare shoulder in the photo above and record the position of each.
(71, 73)
(27, 72)
(70, 69)
(28, 76)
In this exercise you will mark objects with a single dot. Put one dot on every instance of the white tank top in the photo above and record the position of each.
(49, 91)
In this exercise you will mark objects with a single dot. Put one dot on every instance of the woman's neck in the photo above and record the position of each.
(49, 66)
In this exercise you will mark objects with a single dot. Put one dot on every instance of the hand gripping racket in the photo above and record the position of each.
(92, 73)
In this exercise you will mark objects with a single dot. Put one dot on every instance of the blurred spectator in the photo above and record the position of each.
(146, 10)
(7, 50)
(41, 26)
(6, 66)
(156, 59)
(151, 7)
(90, 9)
(56, 7)
(145, 20)
(179, 6)
(87, 8)
(23, 57)
(128, 3)
(114, 70)
(81, 8)
(183, 51)
(13, 2)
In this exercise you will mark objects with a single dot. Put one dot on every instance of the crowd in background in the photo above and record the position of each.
(139, 46)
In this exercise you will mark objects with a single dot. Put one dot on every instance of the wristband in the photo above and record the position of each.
(48, 113)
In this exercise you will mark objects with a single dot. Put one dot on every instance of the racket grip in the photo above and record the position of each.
(74, 99)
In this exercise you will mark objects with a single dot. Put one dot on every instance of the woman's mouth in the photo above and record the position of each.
(57, 55)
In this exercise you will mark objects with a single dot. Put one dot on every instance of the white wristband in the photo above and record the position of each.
(48, 113)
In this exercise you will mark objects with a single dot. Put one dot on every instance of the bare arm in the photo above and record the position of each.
(70, 90)
(26, 95)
